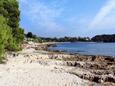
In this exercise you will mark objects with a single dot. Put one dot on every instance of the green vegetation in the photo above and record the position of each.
(104, 38)
(5, 33)
(11, 35)
(31, 37)
(66, 39)
(97, 38)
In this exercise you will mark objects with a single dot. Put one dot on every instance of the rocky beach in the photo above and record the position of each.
(35, 66)
(57, 43)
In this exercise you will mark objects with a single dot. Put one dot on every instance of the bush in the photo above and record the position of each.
(9, 9)
(11, 36)
(29, 35)
(5, 33)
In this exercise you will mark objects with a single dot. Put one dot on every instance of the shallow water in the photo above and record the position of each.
(87, 48)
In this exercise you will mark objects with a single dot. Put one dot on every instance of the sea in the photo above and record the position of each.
(86, 48)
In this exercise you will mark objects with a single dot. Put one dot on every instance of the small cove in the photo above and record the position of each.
(86, 48)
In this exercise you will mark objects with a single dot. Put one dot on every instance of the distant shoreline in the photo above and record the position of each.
(54, 44)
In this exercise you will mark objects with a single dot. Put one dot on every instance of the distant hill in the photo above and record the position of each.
(104, 38)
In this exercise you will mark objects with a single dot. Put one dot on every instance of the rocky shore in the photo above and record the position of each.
(35, 66)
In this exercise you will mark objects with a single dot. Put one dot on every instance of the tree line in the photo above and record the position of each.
(104, 38)
(67, 39)
(62, 39)
(97, 38)
(11, 35)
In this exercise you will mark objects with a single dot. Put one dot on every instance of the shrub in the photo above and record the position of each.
(5, 33)
(11, 36)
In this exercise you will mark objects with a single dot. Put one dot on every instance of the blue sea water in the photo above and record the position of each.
(87, 48)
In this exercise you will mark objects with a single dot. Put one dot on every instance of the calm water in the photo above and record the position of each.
(87, 48)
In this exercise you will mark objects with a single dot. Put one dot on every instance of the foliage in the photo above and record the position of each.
(10, 10)
(11, 35)
(104, 38)
(5, 34)
(33, 37)
(67, 39)
(29, 35)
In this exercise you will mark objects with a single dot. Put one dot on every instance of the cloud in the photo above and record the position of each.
(42, 14)
(61, 18)
(103, 14)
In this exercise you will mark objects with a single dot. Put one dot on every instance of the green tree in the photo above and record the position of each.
(5, 34)
(29, 35)
(11, 35)
(10, 10)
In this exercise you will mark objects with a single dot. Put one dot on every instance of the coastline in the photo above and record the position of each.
(56, 68)
(76, 52)
(98, 59)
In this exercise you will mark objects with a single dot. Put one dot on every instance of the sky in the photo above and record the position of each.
(59, 18)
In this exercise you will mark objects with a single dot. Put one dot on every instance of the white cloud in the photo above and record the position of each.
(108, 22)
(103, 14)
(42, 14)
